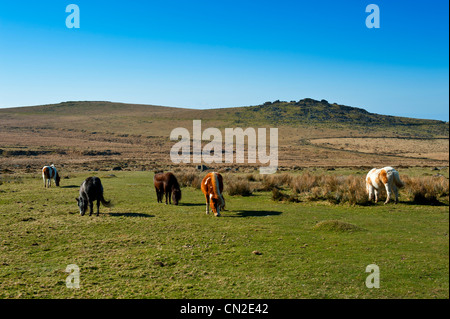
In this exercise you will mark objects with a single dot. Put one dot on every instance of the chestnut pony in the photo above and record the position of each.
(212, 188)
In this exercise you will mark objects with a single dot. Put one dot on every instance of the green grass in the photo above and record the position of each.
(142, 249)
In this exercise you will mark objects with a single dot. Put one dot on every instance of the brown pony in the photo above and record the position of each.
(166, 183)
(212, 188)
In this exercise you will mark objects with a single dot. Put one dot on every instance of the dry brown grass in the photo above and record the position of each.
(237, 186)
(426, 189)
(189, 178)
(278, 195)
(334, 189)
(275, 181)
(433, 148)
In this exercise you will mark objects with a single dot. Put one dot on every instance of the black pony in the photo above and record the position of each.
(91, 190)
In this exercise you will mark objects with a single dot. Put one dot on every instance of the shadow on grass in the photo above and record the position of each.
(425, 203)
(70, 186)
(129, 215)
(254, 213)
(191, 204)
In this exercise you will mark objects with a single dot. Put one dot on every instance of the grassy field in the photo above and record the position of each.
(258, 249)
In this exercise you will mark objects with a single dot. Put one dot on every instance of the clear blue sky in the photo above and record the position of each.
(202, 54)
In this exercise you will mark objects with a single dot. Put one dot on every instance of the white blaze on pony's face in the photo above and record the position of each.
(82, 205)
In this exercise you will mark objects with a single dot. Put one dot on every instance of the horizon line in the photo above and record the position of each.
(212, 108)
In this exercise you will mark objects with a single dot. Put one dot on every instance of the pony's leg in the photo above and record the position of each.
(375, 191)
(98, 207)
(157, 194)
(207, 205)
(370, 191)
(388, 192)
(91, 207)
(218, 211)
(395, 188)
(45, 182)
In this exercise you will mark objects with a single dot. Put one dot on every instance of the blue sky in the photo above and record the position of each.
(203, 54)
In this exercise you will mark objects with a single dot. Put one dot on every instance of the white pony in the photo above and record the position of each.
(49, 173)
(386, 176)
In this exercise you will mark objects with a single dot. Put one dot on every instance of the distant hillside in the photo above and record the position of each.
(313, 112)
(305, 112)
(311, 133)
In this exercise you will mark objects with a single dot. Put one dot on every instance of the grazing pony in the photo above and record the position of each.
(212, 188)
(386, 176)
(91, 190)
(167, 183)
(49, 173)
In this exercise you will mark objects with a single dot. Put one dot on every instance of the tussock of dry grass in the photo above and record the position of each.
(237, 186)
(189, 179)
(337, 226)
(276, 181)
(427, 189)
(277, 195)
(332, 188)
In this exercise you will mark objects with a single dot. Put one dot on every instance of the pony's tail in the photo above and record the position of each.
(216, 188)
(106, 203)
(397, 181)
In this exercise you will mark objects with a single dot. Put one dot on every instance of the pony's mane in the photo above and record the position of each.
(216, 188)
